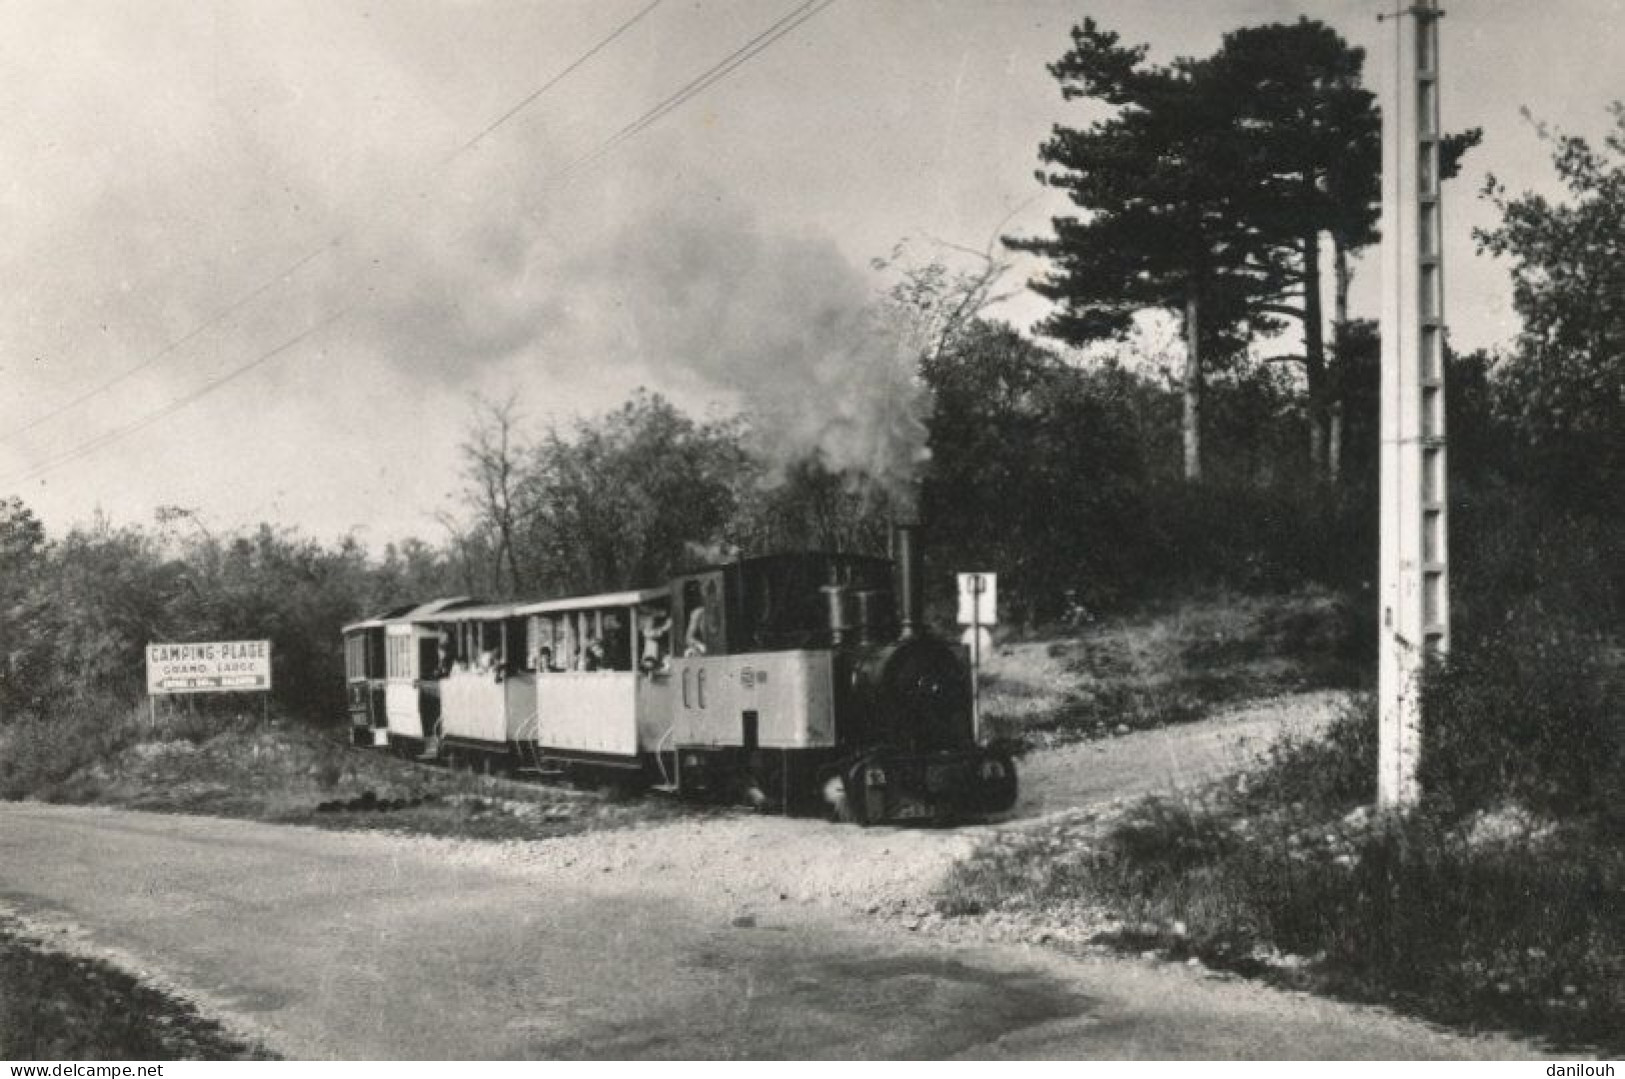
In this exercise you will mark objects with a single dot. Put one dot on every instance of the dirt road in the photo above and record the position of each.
(719, 938)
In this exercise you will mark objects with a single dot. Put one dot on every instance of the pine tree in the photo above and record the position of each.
(1315, 136)
(1160, 183)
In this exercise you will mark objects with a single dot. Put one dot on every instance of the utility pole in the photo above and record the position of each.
(1415, 611)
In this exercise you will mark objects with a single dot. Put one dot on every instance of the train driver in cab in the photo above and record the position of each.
(694, 637)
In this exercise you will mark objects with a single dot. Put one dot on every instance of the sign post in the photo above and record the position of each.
(978, 607)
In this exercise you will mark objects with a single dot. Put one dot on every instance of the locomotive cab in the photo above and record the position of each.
(802, 680)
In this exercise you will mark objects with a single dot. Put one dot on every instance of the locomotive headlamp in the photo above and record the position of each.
(875, 777)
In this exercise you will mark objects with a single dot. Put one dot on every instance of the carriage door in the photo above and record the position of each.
(427, 673)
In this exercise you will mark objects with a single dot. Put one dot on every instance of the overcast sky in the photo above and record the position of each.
(189, 188)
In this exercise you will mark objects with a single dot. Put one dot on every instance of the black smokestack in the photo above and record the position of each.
(908, 578)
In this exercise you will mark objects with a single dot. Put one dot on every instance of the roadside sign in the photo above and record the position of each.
(978, 609)
(978, 599)
(209, 667)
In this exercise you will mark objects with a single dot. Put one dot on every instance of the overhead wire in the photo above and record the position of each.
(713, 75)
(332, 242)
(86, 448)
(700, 83)
(530, 98)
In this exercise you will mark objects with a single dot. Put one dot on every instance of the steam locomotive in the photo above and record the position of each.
(800, 682)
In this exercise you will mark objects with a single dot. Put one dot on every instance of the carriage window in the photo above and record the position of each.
(617, 641)
(544, 638)
(398, 661)
(565, 658)
(518, 655)
(448, 652)
(488, 645)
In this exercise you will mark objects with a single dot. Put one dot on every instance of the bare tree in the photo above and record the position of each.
(492, 470)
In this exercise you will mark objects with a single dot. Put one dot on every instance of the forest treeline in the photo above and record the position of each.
(1066, 469)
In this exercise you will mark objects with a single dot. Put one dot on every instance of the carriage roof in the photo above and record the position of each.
(631, 598)
(416, 612)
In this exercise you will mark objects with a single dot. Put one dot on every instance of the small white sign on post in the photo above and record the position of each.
(978, 599)
(978, 607)
(209, 667)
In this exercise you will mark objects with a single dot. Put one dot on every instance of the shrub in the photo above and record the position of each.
(1527, 715)
(1526, 934)
(40, 749)
(1254, 538)
(1326, 775)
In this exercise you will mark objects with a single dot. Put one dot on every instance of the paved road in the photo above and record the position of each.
(327, 944)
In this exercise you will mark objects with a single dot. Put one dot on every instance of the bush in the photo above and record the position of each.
(41, 749)
(1410, 912)
(1255, 538)
(1325, 776)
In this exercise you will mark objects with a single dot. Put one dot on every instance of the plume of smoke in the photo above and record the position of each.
(786, 322)
(690, 292)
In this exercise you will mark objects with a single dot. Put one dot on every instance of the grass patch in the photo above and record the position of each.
(296, 777)
(1171, 666)
(62, 1007)
(242, 767)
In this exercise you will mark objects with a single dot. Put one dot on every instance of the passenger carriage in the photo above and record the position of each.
(364, 680)
(540, 685)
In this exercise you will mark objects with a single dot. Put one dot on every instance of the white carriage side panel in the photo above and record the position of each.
(473, 706)
(589, 711)
(792, 694)
(401, 705)
(520, 691)
(654, 704)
